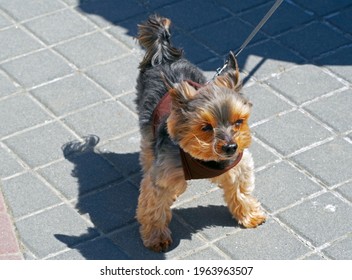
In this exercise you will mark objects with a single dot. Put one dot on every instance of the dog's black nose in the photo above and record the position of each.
(229, 149)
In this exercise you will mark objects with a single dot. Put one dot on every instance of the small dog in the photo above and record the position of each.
(190, 129)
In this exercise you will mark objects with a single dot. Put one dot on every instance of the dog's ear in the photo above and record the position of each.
(182, 93)
(231, 79)
(232, 63)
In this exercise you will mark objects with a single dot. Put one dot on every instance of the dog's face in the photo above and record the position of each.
(211, 123)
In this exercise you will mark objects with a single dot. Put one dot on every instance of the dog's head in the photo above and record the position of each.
(211, 122)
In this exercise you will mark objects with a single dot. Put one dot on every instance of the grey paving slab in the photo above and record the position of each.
(286, 17)
(261, 155)
(7, 86)
(130, 242)
(206, 254)
(281, 185)
(291, 132)
(321, 38)
(53, 230)
(122, 74)
(19, 112)
(341, 250)
(110, 208)
(338, 62)
(240, 6)
(37, 68)
(69, 94)
(8, 164)
(210, 35)
(323, 7)
(324, 214)
(30, 8)
(343, 20)
(350, 136)
(195, 188)
(99, 249)
(72, 2)
(80, 174)
(265, 103)
(346, 191)
(14, 41)
(105, 120)
(267, 59)
(123, 153)
(26, 194)
(91, 49)
(219, 221)
(4, 22)
(329, 162)
(300, 87)
(269, 241)
(209, 66)
(129, 101)
(329, 110)
(108, 12)
(183, 241)
(59, 26)
(151, 5)
(126, 31)
(314, 257)
(40, 145)
(184, 16)
(195, 51)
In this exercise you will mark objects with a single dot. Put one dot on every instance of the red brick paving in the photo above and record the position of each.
(9, 248)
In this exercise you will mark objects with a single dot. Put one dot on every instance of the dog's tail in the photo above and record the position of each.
(154, 36)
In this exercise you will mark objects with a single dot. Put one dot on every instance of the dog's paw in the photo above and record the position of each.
(158, 240)
(161, 245)
(253, 219)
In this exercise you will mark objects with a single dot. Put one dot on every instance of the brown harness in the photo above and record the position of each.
(192, 167)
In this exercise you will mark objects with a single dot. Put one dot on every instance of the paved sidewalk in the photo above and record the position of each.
(69, 139)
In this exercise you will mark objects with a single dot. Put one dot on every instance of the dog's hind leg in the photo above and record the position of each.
(154, 210)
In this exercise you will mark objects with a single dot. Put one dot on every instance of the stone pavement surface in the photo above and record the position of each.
(69, 139)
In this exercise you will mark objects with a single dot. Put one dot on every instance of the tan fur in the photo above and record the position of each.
(154, 203)
(238, 184)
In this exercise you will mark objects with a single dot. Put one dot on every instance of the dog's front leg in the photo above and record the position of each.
(238, 184)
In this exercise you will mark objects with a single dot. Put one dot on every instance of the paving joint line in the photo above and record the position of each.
(294, 164)
(180, 202)
(28, 168)
(319, 249)
(201, 236)
(295, 234)
(322, 97)
(299, 202)
(273, 117)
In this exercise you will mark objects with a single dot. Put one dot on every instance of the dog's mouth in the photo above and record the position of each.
(230, 158)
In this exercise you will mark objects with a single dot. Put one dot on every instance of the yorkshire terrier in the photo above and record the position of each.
(190, 129)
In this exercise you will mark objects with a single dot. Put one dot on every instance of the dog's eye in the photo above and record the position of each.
(239, 122)
(207, 127)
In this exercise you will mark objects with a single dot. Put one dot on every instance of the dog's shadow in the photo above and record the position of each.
(108, 185)
(262, 53)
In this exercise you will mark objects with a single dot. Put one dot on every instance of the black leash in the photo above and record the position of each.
(250, 37)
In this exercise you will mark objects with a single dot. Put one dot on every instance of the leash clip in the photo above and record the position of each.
(250, 37)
